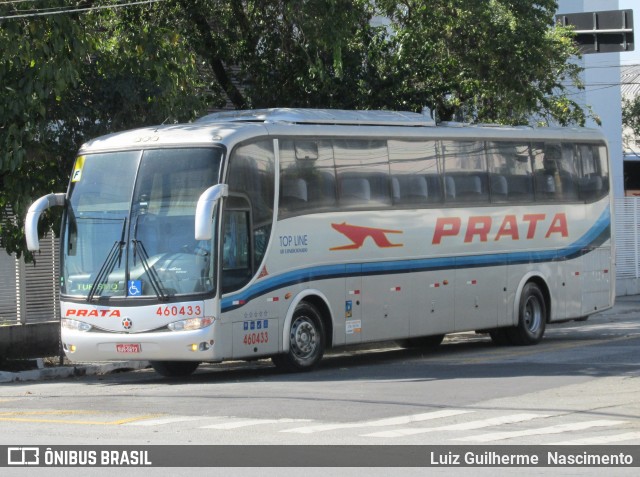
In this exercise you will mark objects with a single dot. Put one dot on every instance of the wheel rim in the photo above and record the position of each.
(304, 338)
(532, 314)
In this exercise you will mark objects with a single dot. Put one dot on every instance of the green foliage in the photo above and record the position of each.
(631, 115)
(40, 62)
(67, 78)
(489, 61)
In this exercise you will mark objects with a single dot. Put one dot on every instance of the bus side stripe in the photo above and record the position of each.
(594, 237)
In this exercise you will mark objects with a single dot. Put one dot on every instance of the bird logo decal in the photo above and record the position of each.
(358, 235)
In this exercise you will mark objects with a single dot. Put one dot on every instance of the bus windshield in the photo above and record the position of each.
(129, 226)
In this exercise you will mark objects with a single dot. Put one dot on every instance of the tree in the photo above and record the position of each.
(302, 53)
(631, 115)
(487, 61)
(70, 77)
(41, 59)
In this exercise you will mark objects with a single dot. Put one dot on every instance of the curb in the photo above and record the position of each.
(80, 369)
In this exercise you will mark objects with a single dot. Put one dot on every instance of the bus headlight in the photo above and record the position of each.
(190, 324)
(74, 325)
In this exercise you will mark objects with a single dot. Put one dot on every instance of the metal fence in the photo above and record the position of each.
(29, 293)
(627, 224)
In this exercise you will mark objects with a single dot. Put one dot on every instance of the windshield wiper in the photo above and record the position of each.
(156, 283)
(114, 255)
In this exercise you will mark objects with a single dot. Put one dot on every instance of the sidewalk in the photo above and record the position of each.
(70, 370)
(624, 305)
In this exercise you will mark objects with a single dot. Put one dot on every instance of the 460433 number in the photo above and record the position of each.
(175, 310)
(256, 338)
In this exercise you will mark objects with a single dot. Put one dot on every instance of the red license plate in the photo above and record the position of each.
(128, 348)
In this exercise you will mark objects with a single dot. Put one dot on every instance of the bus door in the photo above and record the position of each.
(434, 304)
(353, 322)
(596, 279)
(386, 307)
(571, 290)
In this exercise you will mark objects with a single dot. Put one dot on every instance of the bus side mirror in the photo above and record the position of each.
(204, 210)
(33, 216)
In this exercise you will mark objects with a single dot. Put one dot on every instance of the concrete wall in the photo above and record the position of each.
(30, 341)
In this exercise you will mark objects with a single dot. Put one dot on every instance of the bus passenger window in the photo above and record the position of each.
(465, 169)
(294, 194)
(593, 180)
(555, 172)
(362, 168)
(415, 178)
(511, 177)
(355, 190)
(307, 177)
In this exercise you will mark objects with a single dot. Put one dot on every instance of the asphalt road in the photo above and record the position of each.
(580, 386)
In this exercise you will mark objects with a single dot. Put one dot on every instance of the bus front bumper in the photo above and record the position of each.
(196, 345)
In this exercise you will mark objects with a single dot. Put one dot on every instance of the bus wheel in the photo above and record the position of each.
(532, 317)
(174, 369)
(306, 340)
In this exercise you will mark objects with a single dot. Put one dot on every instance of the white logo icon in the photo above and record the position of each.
(23, 456)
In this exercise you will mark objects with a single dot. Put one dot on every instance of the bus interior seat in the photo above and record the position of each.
(545, 184)
(409, 189)
(590, 187)
(499, 188)
(468, 186)
(355, 189)
(321, 190)
(417, 188)
(395, 189)
(294, 193)
(450, 187)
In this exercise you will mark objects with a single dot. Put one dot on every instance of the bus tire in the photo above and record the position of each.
(174, 369)
(306, 340)
(532, 317)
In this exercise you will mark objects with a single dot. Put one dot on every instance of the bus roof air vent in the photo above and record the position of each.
(321, 116)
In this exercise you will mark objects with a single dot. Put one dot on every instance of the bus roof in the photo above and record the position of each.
(322, 116)
(231, 127)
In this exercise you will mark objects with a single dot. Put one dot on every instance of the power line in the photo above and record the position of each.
(8, 2)
(41, 12)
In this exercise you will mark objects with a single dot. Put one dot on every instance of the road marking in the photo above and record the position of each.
(165, 420)
(250, 422)
(391, 421)
(55, 412)
(629, 436)
(558, 429)
(463, 426)
(23, 416)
